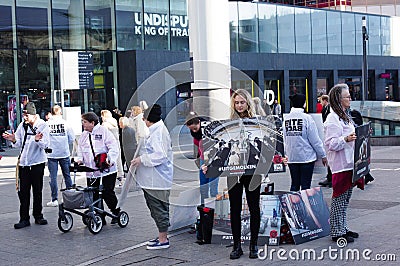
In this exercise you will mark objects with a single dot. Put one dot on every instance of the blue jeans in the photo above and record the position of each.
(52, 164)
(207, 185)
(301, 174)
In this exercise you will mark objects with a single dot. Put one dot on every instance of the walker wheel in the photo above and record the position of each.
(123, 219)
(65, 224)
(95, 225)
(85, 217)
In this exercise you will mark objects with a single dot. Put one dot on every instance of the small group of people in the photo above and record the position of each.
(154, 160)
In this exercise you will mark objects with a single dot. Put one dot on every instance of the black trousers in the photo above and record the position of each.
(30, 176)
(252, 186)
(108, 190)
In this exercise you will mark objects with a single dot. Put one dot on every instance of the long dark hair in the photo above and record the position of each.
(335, 96)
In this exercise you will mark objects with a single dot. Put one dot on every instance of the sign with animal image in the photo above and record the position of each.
(270, 224)
(362, 151)
(240, 146)
(306, 213)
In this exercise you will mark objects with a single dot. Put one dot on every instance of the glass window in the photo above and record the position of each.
(394, 38)
(303, 30)
(374, 40)
(286, 42)
(359, 37)
(156, 24)
(359, 6)
(334, 32)
(98, 24)
(348, 34)
(373, 8)
(248, 27)
(129, 18)
(179, 26)
(68, 24)
(32, 24)
(268, 31)
(233, 26)
(7, 89)
(388, 10)
(6, 39)
(385, 36)
(34, 77)
(319, 43)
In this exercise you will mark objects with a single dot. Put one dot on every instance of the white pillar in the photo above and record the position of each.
(210, 48)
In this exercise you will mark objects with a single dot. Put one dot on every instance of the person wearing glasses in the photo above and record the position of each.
(33, 137)
(339, 143)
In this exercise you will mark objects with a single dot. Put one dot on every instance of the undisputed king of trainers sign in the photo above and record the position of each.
(157, 24)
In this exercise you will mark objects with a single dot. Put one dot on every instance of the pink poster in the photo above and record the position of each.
(12, 110)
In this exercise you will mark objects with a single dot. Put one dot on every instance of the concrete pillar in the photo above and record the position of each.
(210, 47)
(261, 82)
(76, 25)
(335, 77)
(312, 99)
(285, 91)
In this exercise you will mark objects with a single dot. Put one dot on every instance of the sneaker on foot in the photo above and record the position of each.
(52, 203)
(152, 241)
(158, 245)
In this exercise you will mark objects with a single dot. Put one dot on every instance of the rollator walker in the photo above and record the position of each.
(78, 197)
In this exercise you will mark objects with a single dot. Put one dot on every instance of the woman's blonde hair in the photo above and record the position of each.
(250, 112)
(105, 114)
(258, 107)
(124, 121)
(136, 110)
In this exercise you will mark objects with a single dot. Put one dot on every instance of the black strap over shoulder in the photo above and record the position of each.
(91, 145)
(23, 142)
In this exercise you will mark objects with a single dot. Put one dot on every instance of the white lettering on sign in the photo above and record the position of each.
(157, 24)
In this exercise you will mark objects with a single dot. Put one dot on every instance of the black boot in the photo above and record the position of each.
(368, 178)
(116, 213)
(253, 249)
(236, 252)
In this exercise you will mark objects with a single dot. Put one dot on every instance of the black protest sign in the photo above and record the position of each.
(362, 151)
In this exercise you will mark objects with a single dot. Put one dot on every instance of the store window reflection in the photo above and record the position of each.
(34, 77)
(68, 24)
(129, 17)
(5, 26)
(6, 88)
(179, 25)
(32, 25)
(155, 23)
(98, 24)
(248, 27)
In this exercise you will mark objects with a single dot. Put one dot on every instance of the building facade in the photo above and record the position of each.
(280, 47)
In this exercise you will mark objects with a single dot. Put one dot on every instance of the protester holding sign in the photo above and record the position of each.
(242, 107)
(339, 143)
(357, 118)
